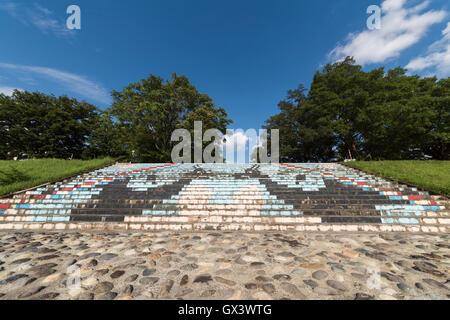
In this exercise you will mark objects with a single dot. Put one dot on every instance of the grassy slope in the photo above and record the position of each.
(430, 175)
(31, 173)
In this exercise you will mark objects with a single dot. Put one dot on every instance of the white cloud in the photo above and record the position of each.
(437, 58)
(239, 146)
(237, 141)
(8, 91)
(37, 16)
(71, 82)
(401, 28)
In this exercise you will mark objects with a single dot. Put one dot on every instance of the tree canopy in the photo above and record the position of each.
(44, 126)
(350, 113)
(138, 125)
(149, 111)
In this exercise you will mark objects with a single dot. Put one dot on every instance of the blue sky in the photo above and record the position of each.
(245, 54)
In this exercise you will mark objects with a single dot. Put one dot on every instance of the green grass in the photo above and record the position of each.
(20, 175)
(429, 175)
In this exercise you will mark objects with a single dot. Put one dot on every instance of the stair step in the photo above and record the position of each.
(116, 226)
(175, 218)
(271, 197)
(223, 210)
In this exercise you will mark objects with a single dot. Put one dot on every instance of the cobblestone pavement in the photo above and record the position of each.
(220, 265)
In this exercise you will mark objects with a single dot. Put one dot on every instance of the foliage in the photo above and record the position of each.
(35, 125)
(149, 111)
(376, 115)
(138, 126)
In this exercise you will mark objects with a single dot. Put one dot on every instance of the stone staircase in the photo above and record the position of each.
(228, 197)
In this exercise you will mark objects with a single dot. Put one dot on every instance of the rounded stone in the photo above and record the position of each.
(184, 280)
(103, 287)
(336, 285)
(269, 288)
(108, 296)
(107, 256)
(208, 293)
(69, 262)
(320, 275)
(31, 292)
(88, 255)
(48, 257)
(281, 277)
(299, 272)
(251, 286)
(173, 273)
(20, 261)
(311, 283)
(203, 278)
(148, 280)
(257, 264)
(225, 281)
(286, 254)
(363, 296)
(189, 267)
(183, 292)
(420, 286)
(128, 290)
(148, 272)
(262, 279)
(405, 288)
(49, 296)
(117, 274)
(166, 287)
(131, 278)
(43, 270)
(92, 263)
(292, 290)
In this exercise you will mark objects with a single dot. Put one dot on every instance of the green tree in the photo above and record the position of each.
(104, 139)
(437, 140)
(365, 115)
(8, 119)
(36, 125)
(337, 97)
(150, 110)
(211, 118)
(300, 138)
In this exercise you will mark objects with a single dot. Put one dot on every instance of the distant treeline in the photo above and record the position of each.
(348, 112)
